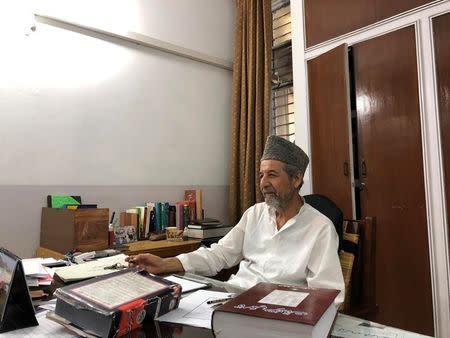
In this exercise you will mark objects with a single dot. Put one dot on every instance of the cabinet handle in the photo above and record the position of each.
(363, 169)
(346, 168)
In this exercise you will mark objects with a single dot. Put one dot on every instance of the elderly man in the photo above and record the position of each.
(282, 240)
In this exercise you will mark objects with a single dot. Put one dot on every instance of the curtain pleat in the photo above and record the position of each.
(250, 102)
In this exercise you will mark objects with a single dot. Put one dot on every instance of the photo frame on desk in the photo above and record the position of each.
(16, 309)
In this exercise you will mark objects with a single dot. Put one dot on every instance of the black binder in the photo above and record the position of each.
(16, 309)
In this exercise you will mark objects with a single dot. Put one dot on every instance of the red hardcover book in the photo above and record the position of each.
(191, 197)
(277, 310)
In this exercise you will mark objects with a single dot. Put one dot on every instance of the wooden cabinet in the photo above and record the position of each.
(327, 19)
(391, 167)
(329, 101)
(399, 83)
(441, 31)
(389, 162)
(63, 230)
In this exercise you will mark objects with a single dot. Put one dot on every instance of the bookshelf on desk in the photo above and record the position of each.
(162, 248)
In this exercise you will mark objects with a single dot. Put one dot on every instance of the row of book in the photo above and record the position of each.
(155, 217)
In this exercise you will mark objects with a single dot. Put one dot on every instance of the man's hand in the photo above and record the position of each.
(155, 264)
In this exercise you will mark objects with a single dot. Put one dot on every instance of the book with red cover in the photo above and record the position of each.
(113, 305)
(277, 310)
(195, 204)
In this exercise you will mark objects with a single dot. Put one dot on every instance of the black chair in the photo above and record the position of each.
(329, 209)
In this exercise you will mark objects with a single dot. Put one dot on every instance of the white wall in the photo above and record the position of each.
(89, 111)
(79, 109)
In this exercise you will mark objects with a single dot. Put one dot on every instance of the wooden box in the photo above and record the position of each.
(63, 230)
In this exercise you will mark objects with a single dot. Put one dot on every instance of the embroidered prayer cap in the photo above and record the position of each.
(280, 149)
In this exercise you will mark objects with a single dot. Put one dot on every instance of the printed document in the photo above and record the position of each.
(193, 309)
(90, 269)
(113, 292)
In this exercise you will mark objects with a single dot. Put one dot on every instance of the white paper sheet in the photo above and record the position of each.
(284, 298)
(186, 285)
(350, 327)
(193, 309)
(46, 328)
(90, 269)
(33, 266)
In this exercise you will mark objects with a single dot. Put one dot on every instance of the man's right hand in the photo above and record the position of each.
(155, 264)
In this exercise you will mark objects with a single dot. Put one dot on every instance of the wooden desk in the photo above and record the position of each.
(161, 248)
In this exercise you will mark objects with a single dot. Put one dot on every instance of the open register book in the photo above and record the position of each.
(275, 310)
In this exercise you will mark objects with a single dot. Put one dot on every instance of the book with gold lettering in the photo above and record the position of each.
(277, 310)
(113, 305)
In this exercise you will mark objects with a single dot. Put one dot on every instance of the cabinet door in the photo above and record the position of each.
(441, 30)
(391, 167)
(329, 116)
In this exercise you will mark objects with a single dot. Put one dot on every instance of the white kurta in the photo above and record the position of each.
(303, 252)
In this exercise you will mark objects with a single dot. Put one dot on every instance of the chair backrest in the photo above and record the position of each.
(358, 267)
(329, 209)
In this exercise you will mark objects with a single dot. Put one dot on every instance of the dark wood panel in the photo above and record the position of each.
(389, 142)
(387, 8)
(441, 31)
(326, 19)
(329, 125)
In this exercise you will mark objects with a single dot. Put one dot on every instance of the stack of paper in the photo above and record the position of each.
(194, 309)
(37, 274)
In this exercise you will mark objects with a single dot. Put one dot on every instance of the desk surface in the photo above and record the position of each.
(161, 248)
(345, 326)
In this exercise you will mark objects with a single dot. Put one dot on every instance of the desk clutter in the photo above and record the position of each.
(68, 224)
(132, 300)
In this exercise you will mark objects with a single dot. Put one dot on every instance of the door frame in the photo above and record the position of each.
(437, 217)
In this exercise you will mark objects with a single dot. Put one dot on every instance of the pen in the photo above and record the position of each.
(221, 300)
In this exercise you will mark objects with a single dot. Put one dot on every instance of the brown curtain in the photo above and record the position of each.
(250, 102)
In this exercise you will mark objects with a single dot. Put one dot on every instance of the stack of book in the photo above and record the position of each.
(207, 228)
(277, 310)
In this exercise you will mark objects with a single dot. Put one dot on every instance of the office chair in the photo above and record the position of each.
(329, 209)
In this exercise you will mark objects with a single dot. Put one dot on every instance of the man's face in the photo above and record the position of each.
(277, 187)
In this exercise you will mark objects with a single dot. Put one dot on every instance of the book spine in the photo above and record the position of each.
(185, 214)
(191, 197)
(172, 216)
(179, 216)
(164, 215)
(148, 224)
(158, 216)
(152, 221)
(199, 204)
